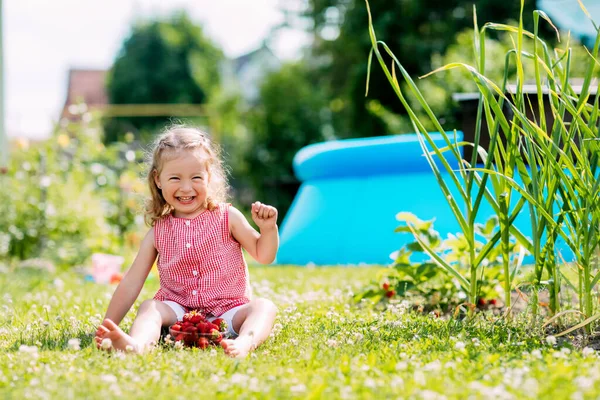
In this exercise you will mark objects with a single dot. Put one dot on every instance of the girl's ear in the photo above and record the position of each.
(156, 180)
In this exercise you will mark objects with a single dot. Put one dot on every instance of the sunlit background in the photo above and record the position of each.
(44, 40)
(88, 85)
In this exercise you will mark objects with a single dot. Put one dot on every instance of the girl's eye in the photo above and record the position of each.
(198, 177)
(173, 178)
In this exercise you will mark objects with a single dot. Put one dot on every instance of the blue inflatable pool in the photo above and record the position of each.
(345, 209)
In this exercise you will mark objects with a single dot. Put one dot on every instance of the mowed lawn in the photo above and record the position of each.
(323, 346)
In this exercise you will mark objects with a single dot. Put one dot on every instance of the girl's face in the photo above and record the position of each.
(184, 183)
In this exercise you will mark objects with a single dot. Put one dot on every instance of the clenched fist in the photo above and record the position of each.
(264, 216)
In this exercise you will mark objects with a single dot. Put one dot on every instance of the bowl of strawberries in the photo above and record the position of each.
(196, 331)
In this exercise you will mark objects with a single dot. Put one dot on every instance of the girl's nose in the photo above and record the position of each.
(186, 186)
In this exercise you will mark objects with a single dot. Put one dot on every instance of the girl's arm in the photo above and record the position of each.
(130, 286)
(261, 246)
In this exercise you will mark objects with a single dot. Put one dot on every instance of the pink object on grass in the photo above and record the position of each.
(104, 266)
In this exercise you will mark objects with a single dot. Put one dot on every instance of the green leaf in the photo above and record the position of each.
(403, 286)
(415, 246)
(426, 271)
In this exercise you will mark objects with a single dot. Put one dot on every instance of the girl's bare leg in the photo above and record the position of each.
(152, 315)
(254, 322)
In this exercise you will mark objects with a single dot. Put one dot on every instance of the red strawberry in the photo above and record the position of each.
(203, 327)
(190, 329)
(214, 334)
(221, 324)
(202, 342)
(390, 293)
(179, 337)
(186, 324)
(176, 327)
(493, 302)
(482, 301)
(386, 285)
(193, 316)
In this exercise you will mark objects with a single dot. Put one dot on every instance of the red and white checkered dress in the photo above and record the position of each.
(200, 265)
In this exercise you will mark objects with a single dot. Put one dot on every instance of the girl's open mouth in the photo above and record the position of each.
(188, 199)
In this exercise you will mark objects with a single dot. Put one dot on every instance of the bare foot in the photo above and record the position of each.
(238, 348)
(117, 338)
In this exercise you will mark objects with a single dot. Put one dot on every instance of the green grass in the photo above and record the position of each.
(323, 347)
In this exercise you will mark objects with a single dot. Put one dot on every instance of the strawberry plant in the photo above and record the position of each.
(416, 275)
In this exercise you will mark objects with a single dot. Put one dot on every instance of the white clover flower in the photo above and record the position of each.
(401, 366)
(45, 181)
(179, 345)
(577, 396)
(332, 343)
(108, 378)
(433, 366)
(530, 386)
(430, 395)
(537, 353)
(74, 344)
(168, 339)
(346, 392)
(584, 383)
(59, 284)
(419, 378)
(238, 378)
(370, 383)
(301, 388)
(459, 345)
(28, 349)
(588, 351)
(397, 382)
(551, 340)
(106, 344)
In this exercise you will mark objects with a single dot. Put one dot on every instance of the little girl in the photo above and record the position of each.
(198, 240)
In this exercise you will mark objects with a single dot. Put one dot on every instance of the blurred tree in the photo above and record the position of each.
(415, 30)
(289, 116)
(162, 62)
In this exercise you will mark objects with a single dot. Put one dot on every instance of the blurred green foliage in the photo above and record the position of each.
(417, 31)
(291, 114)
(162, 62)
(70, 195)
(79, 192)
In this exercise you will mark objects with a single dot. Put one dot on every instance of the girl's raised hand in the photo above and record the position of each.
(264, 216)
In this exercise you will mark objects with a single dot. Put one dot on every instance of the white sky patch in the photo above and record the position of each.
(43, 39)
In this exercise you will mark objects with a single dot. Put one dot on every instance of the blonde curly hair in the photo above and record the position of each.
(173, 140)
